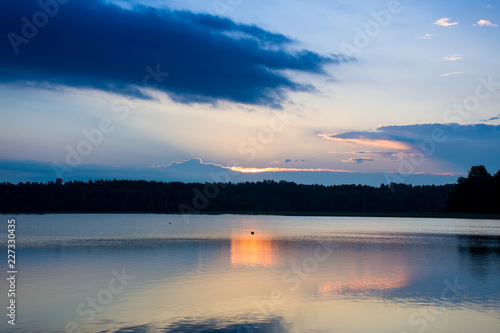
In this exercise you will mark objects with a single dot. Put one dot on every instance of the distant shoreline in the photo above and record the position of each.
(290, 213)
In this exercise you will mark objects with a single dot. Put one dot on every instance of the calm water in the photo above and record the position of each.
(154, 273)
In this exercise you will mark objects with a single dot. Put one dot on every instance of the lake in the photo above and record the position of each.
(208, 273)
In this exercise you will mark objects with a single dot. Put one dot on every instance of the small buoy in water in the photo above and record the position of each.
(252, 232)
(169, 222)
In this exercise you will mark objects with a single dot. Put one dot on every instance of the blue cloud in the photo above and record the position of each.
(492, 118)
(90, 44)
(360, 160)
(462, 145)
(410, 133)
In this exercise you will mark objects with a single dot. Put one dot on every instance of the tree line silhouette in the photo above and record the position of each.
(478, 193)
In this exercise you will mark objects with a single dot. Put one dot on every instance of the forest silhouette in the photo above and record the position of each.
(479, 192)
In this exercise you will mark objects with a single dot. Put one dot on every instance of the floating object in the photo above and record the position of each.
(252, 232)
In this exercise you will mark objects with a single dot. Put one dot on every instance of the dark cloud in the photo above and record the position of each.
(462, 145)
(410, 133)
(296, 160)
(359, 160)
(208, 58)
(492, 118)
(384, 154)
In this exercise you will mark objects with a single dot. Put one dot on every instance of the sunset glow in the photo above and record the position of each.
(386, 144)
(259, 170)
(360, 284)
(252, 250)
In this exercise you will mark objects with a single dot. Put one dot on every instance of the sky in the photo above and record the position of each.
(322, 92)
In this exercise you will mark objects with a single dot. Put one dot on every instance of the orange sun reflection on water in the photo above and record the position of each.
(359, 284)
(252, 250)
(370, 274)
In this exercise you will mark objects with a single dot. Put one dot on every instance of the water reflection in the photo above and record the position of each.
(214, 325)
(382, 268)
(364, 282)
(334, 283)
(269, 325)
(481, 253)
(252, 250)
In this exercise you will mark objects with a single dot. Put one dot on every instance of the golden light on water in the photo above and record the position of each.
(359, 284)
(369, 275)
(252, 250)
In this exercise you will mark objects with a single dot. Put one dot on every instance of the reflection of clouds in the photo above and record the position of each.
(377, 271)
(481, 252)
(212, 325)
(381, 282)
(222, 325)
(252, 250)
